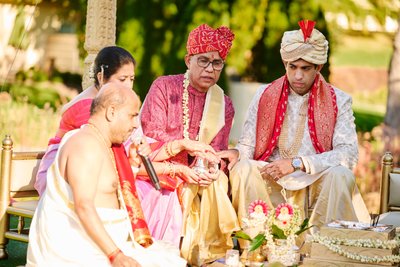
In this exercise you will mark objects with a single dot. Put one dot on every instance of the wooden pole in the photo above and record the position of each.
(101, 20)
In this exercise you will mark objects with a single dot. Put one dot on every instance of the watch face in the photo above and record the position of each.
(296, 162)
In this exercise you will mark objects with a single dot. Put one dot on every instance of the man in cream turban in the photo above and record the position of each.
(194, 203)
(299, 142)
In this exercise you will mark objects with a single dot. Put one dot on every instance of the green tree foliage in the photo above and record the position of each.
(156, 31)
(266, 64)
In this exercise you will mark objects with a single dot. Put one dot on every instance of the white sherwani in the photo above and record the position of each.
(57, 237)
(332, 166)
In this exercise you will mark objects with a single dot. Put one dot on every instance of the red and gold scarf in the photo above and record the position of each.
(141, 232)
(322, 113)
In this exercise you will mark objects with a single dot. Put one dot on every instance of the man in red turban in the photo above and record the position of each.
(192, 106)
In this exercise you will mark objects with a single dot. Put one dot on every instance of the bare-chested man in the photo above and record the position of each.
(81, 219)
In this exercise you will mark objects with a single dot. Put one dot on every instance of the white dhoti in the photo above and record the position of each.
(331, 194)
(57, 237)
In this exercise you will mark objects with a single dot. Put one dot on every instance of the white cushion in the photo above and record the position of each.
(26, 205)
(392, 218)
(23, 174)
(394, 193)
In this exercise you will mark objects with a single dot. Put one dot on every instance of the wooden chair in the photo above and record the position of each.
(18, 197)
(390, 192)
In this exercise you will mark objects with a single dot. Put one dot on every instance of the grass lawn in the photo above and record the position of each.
(373, 51)
(369, 109)
(366, 120)
(367, 51)
(17, 254)
(16, 250)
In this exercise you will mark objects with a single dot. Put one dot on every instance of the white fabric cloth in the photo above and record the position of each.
(345, 144)
(57, 237)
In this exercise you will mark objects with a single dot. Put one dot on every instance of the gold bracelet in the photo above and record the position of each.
(166, 165)
(167, 150)
(178, 169)
(172, 171)
(171, 150)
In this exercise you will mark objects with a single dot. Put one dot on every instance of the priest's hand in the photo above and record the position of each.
(138, 147)
(121, 260)
(277, 169)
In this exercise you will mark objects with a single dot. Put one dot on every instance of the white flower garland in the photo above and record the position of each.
(333, 244)
(185, 105)
(253, 222)
(362, 243)
(284, 252)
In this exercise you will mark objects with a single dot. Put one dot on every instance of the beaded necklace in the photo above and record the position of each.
(185, 107)
(292, 150)
(100, 137)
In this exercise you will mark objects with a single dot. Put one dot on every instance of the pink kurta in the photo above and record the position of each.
(161, 119)
(161, 114)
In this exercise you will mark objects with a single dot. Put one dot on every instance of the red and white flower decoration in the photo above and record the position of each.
(258, 207)
(284, 212)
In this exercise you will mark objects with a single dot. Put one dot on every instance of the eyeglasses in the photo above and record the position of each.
(217, 64)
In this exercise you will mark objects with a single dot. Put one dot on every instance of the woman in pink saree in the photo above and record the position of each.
(111, 64)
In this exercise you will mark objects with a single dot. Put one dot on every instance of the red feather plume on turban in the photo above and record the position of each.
(306, 26)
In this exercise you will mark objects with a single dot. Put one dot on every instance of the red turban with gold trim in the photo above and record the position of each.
(205, 39)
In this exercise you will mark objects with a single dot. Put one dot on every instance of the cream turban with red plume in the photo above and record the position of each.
(205, 39)
(307, 43)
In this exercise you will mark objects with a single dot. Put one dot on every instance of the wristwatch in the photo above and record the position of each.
(297, 163)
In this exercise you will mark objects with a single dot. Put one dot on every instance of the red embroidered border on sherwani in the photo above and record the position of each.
(322, 113)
